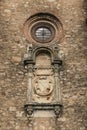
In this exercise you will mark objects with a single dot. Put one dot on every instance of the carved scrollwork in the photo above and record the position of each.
(43, 85)
(57, 111)
(29, 113)
(29, 110)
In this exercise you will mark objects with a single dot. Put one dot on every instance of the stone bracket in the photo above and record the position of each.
(31, 107)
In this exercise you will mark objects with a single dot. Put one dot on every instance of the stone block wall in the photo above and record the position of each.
(13, 76)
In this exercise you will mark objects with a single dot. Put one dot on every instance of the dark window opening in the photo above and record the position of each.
(43, 33)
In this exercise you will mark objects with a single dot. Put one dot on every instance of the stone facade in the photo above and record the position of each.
(72, 50)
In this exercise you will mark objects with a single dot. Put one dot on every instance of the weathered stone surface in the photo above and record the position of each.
(13, 77)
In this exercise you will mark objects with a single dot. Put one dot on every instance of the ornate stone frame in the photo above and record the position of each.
(29, 63)
(45, 19)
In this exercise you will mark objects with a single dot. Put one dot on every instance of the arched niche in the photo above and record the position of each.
(43, 76)
(43, 51)
(43, 59)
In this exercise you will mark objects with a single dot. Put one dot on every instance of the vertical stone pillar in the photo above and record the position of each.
(57, 84)
(29, 87)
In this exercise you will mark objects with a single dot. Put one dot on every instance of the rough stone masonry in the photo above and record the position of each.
(13, 76)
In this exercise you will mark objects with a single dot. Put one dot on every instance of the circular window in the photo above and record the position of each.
(43, 32)
(43, 29)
